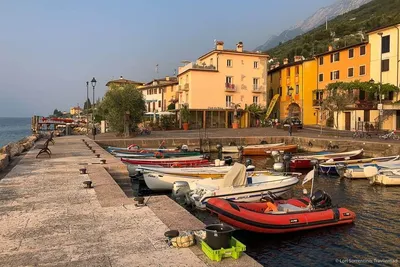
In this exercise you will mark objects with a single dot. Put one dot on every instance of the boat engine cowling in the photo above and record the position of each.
(321, 200)
(228, 160)
(180, 190)
(279, 167)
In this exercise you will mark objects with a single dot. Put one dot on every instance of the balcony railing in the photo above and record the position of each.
(317, 102)
(186, 87)
(193, 65)
(257, 88)
(230, 87)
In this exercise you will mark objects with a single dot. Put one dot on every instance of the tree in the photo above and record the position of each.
(57, 113)
(87, 104)
(337, 101)
(120, 101)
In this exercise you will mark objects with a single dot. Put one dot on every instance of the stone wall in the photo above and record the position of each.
(12, 150)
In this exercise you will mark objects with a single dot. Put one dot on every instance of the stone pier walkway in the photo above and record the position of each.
(48, 218)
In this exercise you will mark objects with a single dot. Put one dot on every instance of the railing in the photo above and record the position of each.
(193, 65)
(257, 88)
(186, 87)
(317, 102)
(230, 87)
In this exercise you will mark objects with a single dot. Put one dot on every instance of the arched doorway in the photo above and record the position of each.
(294, 110)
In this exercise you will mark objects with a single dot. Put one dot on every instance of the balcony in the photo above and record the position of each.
(186, 87)
(193, 65)
(257, 88)
(316, 102)
(230, 87)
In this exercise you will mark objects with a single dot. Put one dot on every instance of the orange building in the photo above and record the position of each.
(344, 65)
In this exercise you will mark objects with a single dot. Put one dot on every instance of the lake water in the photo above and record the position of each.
(14, 129)
(373, 240)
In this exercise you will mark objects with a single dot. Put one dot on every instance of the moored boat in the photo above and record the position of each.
(171, 162)
(235, 149)
(236, 186)
(283, 216)
(307, 161)
(337, 167)
(157, 154)
(387, 177)
(267, 150)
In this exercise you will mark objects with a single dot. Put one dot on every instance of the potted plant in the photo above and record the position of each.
(185, 115)
(235, 124)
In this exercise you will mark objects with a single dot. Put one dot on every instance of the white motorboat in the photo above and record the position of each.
(236, 185)
(235, 149)
(389, 177)
(366, 170)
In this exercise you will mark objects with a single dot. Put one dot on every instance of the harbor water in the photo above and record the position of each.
(373, 240)
(14, 129)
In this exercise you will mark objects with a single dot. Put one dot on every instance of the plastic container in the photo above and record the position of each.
(217, 162)
(219, 235)
(235, 250)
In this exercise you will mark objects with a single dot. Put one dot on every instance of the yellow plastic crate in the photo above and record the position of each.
(216, 255)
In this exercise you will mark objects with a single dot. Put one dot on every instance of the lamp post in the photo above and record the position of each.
(87, 108)
(290, 92)
(93, 82)
(380, 97)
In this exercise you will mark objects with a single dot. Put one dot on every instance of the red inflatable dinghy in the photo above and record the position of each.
(284, 216)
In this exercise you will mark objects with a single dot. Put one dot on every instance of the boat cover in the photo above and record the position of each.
(236, 176)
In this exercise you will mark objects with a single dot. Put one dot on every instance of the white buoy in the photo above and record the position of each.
(305, 191)
(217, 162)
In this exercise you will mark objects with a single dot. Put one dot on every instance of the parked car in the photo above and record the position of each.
(296, 122)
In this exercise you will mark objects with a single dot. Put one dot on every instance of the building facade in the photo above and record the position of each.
(385, 59)
(157, 95)
(75, 111)
(346, 64)
(294, 82)
(218, 81)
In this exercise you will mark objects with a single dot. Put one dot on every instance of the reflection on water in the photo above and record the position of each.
(374, 235)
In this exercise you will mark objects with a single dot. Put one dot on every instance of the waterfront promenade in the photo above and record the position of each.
(48, 217)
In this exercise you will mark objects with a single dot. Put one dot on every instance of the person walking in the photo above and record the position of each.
(290, 129)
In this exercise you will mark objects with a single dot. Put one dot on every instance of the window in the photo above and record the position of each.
(255, 100)
(159, 103)
(297, 89)
(280, 91)
(159, 91)
(155, 91)
(255, 83)
(351, 53)
(229, 62)
(362, 70)
(228, 80)
(211, 61)
(255, 64)
(321, 77)
(362, 95)
(288, 72)
(321, 60)
(297, 70)
(385, 65)
(386, 44)
(362, 50)
(228, 100)
(335, 75)
(350, 72)
(288, 91)
(335, 57)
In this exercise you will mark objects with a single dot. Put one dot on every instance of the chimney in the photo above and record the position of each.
(285, 61)
(167, 78)
(298, 58)
(220, 45)
(239, 47)
(330, 48)
(120, 77)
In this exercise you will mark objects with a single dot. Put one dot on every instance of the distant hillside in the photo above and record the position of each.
(329, 12)
(344, 30)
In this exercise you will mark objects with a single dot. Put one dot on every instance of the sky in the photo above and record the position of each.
(50, 48)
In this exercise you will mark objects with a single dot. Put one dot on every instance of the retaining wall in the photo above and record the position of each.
(11, 150)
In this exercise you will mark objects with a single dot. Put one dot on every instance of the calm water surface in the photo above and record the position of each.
(14, 129)
(374, 236)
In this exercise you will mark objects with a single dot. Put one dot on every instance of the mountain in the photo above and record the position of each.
(346, 29)
(338, 8)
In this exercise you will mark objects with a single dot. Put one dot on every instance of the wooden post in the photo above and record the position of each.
(204, 119)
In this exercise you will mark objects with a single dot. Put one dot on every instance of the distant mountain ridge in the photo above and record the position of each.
(319, 17)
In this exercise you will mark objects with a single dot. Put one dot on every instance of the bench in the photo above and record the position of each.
(45, 147)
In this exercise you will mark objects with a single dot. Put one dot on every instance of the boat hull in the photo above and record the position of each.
(266, 150)
(234, 149)
(389, 177)
(251, 216)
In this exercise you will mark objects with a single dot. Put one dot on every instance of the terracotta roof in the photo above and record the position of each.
(289, 65)
(123, 81)
(383, 27)
(235, 52)
(163, 84)
(340, 49)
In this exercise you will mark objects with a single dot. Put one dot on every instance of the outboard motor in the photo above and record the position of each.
(207, 156)
(184, 148)
(232, 144)
(248, 162)
(228, 160)
(286, 160)
(279, 167)
(276, 155)
(263, 142)
(219, 150)
(180, 190)
(321, 200)
(341, 168)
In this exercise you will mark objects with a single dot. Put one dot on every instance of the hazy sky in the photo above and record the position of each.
(50, 48)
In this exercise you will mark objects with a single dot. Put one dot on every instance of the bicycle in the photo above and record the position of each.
(361, 134)
(392, 135)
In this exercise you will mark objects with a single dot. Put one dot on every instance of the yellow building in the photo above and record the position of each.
(158, 94)
(121, 81)
(384, 65)
(295, 83)
(217, 81)
(75, 111)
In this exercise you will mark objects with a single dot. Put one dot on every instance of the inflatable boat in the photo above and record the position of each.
(283, 216)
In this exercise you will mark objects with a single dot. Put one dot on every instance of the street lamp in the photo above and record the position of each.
(290, 92)
(380, 97)
(87, 108)
(93, 82)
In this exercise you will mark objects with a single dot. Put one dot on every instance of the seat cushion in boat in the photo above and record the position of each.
(289, 208)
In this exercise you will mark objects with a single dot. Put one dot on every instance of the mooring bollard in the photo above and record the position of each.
(89, 147)
(94, 151)
(88, 184)
(82, 171)
(98, 155)
(103, 161)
